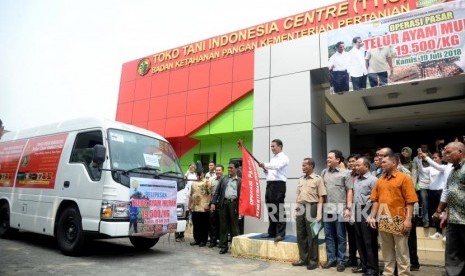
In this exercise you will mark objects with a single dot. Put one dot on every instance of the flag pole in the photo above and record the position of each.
(240, 144)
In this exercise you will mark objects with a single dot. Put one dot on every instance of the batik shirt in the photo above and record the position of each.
(456, 194)
(200, 195)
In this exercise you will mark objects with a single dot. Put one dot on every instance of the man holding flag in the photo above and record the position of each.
(276, 176)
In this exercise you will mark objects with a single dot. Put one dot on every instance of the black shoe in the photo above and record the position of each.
(212, 244)
(415, 267)
(278, 239)
(267, 236)
(351, 263)
(341, 267)
(223, 250)
(194, 243)
(329, 265)
(299, 263)
(358, 269)
(312, 266)
(202, 244)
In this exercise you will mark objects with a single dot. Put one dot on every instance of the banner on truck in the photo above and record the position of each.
(10, 153)
(39, 162)
(153, 207)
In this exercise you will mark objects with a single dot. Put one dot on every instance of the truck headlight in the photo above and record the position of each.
(180, 210)
(114, 209)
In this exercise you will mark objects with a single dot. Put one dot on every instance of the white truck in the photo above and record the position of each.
(90, 178)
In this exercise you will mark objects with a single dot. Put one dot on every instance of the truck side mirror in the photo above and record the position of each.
(99, 154)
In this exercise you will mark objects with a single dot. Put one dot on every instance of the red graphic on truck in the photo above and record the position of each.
(39, 163)
(10, 153)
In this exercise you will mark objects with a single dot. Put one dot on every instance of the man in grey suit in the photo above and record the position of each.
(226, 199)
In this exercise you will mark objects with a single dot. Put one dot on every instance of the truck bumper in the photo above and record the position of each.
(114, 228)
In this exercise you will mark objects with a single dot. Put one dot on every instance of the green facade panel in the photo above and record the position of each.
(219, 137)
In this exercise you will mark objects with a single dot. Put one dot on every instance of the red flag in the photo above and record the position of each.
(250, 198)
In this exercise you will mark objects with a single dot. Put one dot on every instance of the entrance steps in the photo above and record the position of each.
(430, 252)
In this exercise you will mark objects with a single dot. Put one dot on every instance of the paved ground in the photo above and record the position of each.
(31, 254)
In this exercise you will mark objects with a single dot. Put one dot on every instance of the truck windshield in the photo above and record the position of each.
(132, 152)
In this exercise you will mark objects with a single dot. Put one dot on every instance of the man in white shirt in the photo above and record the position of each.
(357, 68)
(338, 64)
(276, 176)
(211, 174)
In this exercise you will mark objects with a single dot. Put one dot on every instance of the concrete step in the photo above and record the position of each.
(426, 232)
(430, 252)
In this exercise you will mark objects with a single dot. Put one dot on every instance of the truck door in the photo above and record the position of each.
(82, 181)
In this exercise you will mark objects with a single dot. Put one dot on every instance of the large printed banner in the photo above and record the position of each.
(422, 44)
(153, 207)
(249, 201)
(39, 163)
(10, 152)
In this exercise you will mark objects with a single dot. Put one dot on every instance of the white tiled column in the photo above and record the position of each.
(339, 138)
(287, 107)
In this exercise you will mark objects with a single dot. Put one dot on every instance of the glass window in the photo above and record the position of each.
(83, 152)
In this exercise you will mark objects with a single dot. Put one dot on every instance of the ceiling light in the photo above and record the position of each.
(431, 90)
(393, 95)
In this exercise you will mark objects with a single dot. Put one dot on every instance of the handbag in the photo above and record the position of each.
(392, 225)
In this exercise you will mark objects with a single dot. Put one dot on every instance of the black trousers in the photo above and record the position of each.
(229, 220)
(367, 244)
(455, 254)
(351, 240)
(434, 197)
(359, 82)
(214, 226)
(274, 199)
(412, 246)
(308, 245)
(378, 79)
(200, 223)
(340, 81)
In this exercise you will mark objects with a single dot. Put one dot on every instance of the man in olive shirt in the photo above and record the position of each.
(310, 197)
(339, 185)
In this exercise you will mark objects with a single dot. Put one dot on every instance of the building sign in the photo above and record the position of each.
(316, 21)
(153, 207)
(423, 44)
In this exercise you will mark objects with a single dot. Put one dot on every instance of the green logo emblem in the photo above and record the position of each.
(143, 67)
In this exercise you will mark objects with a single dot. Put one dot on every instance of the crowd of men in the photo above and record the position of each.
(361, 203)
(372, 205)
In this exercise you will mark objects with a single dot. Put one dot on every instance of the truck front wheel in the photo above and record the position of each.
(5, 229)
(143, 243)
(70, 236)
